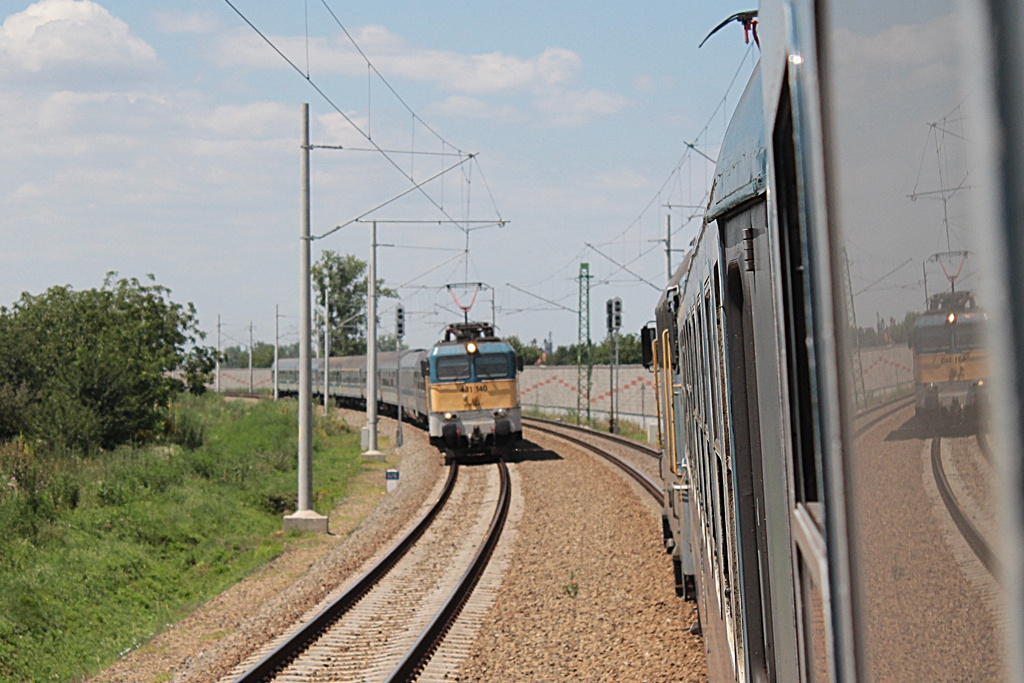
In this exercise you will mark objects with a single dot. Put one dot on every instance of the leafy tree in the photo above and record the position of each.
(345, 278)
(238, 356)
(529, 353)
(629, 352)
(91, 369)
(234, 357)
(389, 342)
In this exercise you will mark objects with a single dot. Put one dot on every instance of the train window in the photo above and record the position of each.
(795, 293)
(452, 368)
(491, 366)
(713, 367)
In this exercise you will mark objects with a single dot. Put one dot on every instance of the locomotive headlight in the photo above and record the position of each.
(450, 416)
(951, 318)
(500, 412)
(471, 348)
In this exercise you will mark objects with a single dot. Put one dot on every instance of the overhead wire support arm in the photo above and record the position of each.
(638, 277)
(391, 151)
(548, 301)
(401, 194)
(693, 146)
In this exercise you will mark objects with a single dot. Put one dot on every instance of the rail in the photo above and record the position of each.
(642, 447)
(419, 654)
(299, 641)
(646, 482)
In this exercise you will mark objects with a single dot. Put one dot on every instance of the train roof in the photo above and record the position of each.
(742, 171)
(459, 348)
(675, 285)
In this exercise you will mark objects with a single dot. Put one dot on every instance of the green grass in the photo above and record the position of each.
(98, 554)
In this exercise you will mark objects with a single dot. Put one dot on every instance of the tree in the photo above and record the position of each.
(529, 353)
(238, 356)
(91, 369)
(629, 352)
(345, 278)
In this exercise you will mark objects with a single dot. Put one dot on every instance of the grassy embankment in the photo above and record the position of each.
(98, 553)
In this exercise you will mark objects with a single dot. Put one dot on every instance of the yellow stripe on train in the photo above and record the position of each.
(486, 395)
(950, 367)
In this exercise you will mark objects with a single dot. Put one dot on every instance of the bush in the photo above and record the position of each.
(90, 370)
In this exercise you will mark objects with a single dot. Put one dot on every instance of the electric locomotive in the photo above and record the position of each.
(950, 360)
(473, 392)
(464, 390)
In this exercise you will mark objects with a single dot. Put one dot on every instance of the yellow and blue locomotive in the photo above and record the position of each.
(465, 389)
(472, 392)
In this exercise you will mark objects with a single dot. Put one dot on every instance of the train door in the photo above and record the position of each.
(746, 457)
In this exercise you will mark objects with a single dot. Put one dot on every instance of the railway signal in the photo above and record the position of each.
(399, 333)
(613, 309)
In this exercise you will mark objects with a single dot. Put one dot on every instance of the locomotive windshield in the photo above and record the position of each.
(491, 366)
(963, 336)
(450, 368)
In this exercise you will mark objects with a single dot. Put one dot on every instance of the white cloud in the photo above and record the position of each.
(476, 108)
(25, 192)
(915, 57)
(191, 22)
(620, 179)
(648, 83)
(393, 56)
(71, 41)
(573, 107)
(258, 119)
(544, 79)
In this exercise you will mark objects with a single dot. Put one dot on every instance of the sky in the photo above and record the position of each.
(164, 139)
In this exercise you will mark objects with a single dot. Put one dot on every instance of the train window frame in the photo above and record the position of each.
(805, 266)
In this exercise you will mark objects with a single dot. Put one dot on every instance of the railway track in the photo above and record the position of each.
(979, 545)
(975, 538)
(389, 623)
(586, 437)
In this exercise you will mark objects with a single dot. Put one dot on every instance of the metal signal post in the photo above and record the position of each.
(399, 333)
(613, 308)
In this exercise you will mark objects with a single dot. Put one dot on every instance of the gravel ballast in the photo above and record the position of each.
(583, 523)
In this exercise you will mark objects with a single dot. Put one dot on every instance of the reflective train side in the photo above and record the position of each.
(814, 524)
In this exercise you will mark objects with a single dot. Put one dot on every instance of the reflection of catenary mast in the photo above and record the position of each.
(937, 132)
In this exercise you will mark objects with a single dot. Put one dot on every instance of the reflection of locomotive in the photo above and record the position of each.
(950, 361)
(464, 389)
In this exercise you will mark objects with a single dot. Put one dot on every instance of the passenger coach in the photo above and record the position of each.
(826, 534)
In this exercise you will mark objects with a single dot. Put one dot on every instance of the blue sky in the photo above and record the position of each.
(163, 138)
